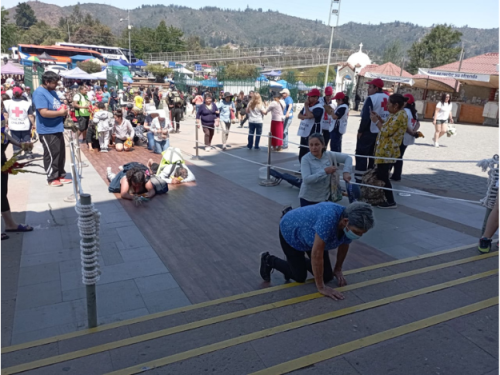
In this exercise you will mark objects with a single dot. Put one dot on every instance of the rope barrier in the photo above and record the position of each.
(355, 155)
(351, 182)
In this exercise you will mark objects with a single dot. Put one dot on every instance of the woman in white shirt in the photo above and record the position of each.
(316, 167)
(441, 115)
(276, 109)
(255, 112)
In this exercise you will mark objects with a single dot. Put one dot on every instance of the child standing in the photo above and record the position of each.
(104, 121)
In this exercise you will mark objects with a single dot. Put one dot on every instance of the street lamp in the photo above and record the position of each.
(337, 13)
(129, 28)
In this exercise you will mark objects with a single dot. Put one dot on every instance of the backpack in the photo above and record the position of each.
(160, 186)
(175, 97)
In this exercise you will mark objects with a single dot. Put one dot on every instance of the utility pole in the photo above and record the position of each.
(69, 35)
(129, 28)
(460, 64)
(337, 13)
(401, 73)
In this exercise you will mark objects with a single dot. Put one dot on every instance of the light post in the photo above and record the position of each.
(337, 13)
(129, 28)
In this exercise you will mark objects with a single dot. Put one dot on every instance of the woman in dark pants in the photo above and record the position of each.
(409, 137)
(10, 224)
(208, 115)
(314, 230)
(388, 142)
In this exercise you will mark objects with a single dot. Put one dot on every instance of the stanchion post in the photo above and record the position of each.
(86, 200)
(268, 182)
(197, 156)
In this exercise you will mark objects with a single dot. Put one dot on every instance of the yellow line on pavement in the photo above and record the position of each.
(225, 317)
(201, 305)
(290, 326)
(339, 350)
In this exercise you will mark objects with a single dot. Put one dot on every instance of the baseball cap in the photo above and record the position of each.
(314, 92)
(329, 91)
(410, 97)
(376, 82)
(226, 94)
(339, 95)
(17, 90)
(285, 91)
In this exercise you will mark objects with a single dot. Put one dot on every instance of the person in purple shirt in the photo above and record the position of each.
(314, 230)
(208, 114)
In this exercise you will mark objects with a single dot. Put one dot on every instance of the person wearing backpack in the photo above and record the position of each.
(104, 122)
(175, 106)
(82, 106)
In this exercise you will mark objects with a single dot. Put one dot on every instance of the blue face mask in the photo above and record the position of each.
(350, 234)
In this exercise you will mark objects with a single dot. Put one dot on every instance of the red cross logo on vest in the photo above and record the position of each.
(413, 121)
(384, 104)
(17, 111)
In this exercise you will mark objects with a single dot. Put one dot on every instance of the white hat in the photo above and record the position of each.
(160, 113)
(285, 91)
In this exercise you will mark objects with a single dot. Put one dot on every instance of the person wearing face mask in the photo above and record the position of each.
(367, 133)
(310, 118)
(388, 142)
(317, 167)
(313, 231)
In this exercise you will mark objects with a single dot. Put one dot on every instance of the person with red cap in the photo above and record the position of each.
(310, 117)
(20, 116)
(327, 121)
(339, 125)
(367, 133)
(409, 137)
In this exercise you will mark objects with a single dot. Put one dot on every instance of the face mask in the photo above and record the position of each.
(350, 234)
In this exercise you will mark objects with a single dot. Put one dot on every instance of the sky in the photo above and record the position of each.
(478, 13)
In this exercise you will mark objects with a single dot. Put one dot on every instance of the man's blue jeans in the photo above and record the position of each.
(161, 146)
(151, 141)
(286, 125)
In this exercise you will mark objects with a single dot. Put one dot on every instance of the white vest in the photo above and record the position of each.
(377, 100)
(409, 139)
(326, 119)
(307, 124)
(18, 114)
(343, 121)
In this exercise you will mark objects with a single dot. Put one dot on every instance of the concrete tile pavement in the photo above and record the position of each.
(50, 294)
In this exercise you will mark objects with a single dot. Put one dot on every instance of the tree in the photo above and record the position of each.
(393, 53)
(89, 66)
(435, 49)
(158, 71)
(97, 34)
(9, 32)
(240, 71)
(42, 34)
(25, 16)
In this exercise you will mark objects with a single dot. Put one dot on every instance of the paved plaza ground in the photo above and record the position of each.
(201, 243)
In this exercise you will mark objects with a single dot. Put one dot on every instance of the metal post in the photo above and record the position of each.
(331, 38)
(197, 156)
(401, 74)
(268, 182)
(86, 200)
(460, 65)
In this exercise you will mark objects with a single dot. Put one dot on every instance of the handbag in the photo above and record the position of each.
(70, 124)
(335, 189)
(372, 195)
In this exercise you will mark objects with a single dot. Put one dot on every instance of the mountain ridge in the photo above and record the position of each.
(252, 27)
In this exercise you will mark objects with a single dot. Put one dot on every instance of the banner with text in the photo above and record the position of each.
(396, 79)
(459, 76)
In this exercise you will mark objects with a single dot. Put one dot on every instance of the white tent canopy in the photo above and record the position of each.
(76, 73)
(396, 79)
(100, 75)
(183, 71)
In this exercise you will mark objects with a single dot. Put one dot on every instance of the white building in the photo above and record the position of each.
(348, 72)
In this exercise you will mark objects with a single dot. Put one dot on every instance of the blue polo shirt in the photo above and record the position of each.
(43, 98)
(299, 226)
(288, 104)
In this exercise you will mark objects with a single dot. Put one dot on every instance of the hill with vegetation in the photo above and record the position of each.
(255, 27)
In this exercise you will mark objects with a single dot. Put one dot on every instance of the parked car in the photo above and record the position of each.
(56, 68)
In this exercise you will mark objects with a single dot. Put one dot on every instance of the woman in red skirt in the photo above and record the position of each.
(276, 109)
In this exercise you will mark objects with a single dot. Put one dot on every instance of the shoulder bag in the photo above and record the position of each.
(335, 189)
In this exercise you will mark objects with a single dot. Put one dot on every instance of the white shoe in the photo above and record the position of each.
(108, 171)
(436, 144)
(223, 147)
(207, 149)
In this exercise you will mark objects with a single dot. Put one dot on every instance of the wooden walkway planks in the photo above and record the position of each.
(210, 234)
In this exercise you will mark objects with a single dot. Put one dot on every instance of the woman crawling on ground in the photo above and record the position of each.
(133, 182)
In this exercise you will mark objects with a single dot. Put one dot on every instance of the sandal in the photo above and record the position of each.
(21, 228)
(4, 236)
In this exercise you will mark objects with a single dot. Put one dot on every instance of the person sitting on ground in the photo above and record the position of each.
(104, 123)
(314, 230)
(123, 132)
(316, 168)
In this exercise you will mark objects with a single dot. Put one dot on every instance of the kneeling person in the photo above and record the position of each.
(313, 230)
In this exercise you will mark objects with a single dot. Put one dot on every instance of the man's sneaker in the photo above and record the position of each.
(265, 268)
(65, 180)
(484, 245)
(54, 183)
(387, 205)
